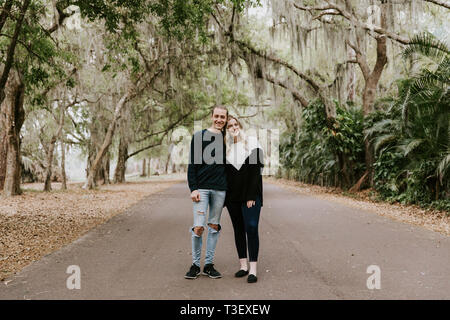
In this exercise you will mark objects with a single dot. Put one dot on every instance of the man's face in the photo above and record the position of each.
(219, 118)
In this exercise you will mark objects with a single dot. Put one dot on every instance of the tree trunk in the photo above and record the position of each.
(344, 170)
(151, 165)
(3, 144)
(100, 174)
(5, 13)
(51, 149)
(48, 171)
(9, 61)
(106, 143)
(166, 167)
(90, 157)
(121, 167)
(437, 189)
(351, 85)
(370, 89)
(94, 142)
(119, 174)
(12, 106)
(169, 157)
(369, 95)
(144, 167)
(106, 170)
(63, 165)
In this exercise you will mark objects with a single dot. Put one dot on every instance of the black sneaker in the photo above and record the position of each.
(193, 272)
(209, 271)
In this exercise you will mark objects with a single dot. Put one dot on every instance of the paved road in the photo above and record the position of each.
(310, 249)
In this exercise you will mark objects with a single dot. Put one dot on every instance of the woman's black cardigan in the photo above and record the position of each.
(245, 184)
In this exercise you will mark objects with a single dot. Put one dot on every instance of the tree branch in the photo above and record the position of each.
(381, 58)
(170, 127)
(148, 147)
(441, 3)
(72, 72)
(77, 129)
(5, 13)
(12, 49)
(330, 109)
(275, 59)
(361, 60)
(326, 13)
(295, 93)
(323, 7)
(354, 20)
(25, 46)
(217, 21)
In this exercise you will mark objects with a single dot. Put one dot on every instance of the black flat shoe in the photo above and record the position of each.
(252, 278)
(241, 273)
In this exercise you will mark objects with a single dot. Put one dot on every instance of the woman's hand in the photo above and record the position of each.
(250, 203)
(195, 196)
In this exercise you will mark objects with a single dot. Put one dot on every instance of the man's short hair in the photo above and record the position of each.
(219, 106)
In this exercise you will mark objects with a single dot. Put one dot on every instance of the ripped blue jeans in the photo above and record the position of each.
(214, 199)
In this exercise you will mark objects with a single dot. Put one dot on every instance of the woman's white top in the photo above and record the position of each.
(238, 154)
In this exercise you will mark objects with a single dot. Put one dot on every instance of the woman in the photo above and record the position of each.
(244, 194)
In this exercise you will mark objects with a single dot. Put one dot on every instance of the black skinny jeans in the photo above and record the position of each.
(245, 225)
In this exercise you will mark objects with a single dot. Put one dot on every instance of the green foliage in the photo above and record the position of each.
(426, 45)
(389, 177)
(188, 18)
(37, 75)
(113, 12)
(36, 51)
(320, 153)
(411, 132)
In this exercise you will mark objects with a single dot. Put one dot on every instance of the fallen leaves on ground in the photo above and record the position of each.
(35, 224)
(430, 219)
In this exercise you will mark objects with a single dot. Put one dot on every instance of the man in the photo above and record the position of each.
(207, 182)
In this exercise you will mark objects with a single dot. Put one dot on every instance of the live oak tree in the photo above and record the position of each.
(118, 86)
(343, 31)
(31, 57)
(27, 47)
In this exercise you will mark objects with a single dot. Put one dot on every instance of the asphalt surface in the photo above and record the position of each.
(309, 249)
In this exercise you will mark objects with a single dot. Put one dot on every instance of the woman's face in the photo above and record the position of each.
(233, 127)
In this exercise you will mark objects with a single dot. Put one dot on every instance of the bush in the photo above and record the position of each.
(319, 152)
(411, 133)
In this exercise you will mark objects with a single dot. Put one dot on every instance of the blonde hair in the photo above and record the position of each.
(229, 139)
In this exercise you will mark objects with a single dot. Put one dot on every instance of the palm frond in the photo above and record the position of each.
(426, 45)
(383, 140)
(329, 164)
(404, 106)
(443, 69)
(386, 125)
(429, 80)
(410, 145)
(443, 167)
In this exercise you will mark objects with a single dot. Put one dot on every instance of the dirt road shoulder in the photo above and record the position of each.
(37, 223)
(434, 220)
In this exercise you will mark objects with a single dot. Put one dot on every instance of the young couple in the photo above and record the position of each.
(225, 170)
